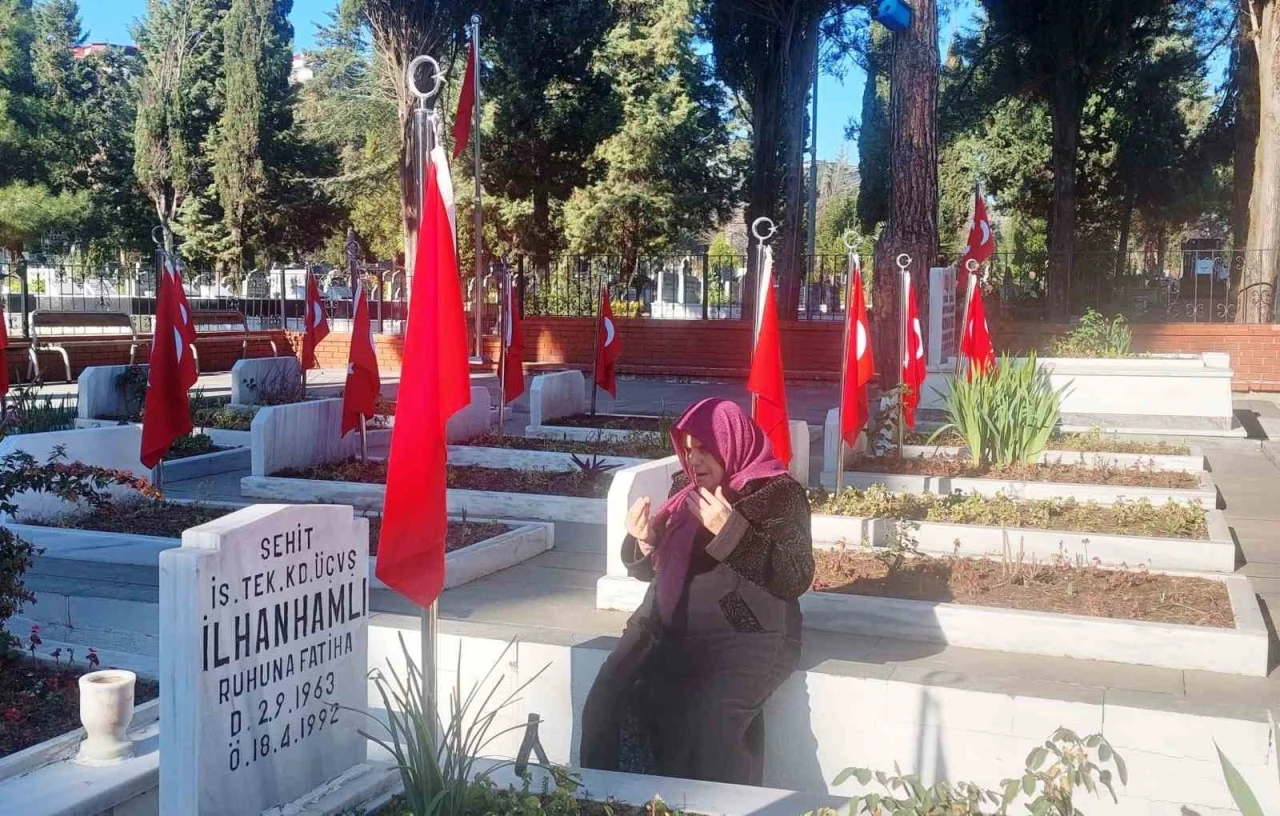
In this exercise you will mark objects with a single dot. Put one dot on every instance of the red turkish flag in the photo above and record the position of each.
(466, 104)
(859, 364)
(982, 240)
(608, 349)
(4, 358)
(767, 380)
(182, 315)
(913, 365)
(975, 340)
(167, 412)
(512, 348)
(360, 398)
(435, 383)
(316, 327)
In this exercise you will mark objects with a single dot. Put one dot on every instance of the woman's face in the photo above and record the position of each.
(707, 472)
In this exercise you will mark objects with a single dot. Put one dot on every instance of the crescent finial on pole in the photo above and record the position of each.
(765, 222)
(437, 78)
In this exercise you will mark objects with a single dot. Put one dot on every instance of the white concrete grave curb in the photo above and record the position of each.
(305, 434)
(1215, 554)
(1206, 494)
(534, 506)
(525, 540)
(1242, 649)
(530, 459)
(1194, 461)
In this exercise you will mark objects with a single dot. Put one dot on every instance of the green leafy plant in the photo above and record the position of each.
(437, 759)
(594, 467)
(1241, 793)
(27, 411)
(132, 383)
(190, 445)
(1053, 775)
(1006, 414)
(1096, 336)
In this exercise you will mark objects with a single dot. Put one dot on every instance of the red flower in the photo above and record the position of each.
(12, 716)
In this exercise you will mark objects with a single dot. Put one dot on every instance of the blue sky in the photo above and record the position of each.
(838, 98)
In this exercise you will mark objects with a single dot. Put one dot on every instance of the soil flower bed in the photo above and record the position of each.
(184, 447)
(149, 518)
(1140, 518)
(461, 533)
(1095, 441)
(39, 701)
(224, 418)
(1135, 476)
(1040, 587)
(642, 447)
(168, 520)
(615, 422)
(580, 484)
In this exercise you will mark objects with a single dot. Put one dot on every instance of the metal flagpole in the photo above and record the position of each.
(971, 283)
(762, 223)
(904, 261)
(595, 361)
(477, 306)
(162, 257)
(352, 249)
(504, 337)
(424, 137)
(847, 240)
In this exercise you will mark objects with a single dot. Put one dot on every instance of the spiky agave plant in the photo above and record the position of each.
(437, 760)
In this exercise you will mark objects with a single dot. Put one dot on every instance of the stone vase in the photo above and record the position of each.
(106, 709)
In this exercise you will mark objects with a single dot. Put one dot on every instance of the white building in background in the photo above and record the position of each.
(301, 69)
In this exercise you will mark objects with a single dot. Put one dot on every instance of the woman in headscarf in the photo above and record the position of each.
(727, 556)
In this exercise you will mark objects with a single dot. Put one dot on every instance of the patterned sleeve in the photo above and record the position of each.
(642, 566)
(768, 540)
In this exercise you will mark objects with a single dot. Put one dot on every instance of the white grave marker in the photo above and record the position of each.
(942, 316)
(263, 654)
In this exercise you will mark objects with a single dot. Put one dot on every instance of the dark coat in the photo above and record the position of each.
(697, 686)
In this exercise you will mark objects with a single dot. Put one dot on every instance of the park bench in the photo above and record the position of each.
(61, 331)
(230, 324)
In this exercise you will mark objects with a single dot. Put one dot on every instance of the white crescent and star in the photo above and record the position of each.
(317, 317)
(608, 332)
(861, 340)
(986, 232)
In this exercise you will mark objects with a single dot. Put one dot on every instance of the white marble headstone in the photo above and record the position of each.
(263, 654)
(942, 316)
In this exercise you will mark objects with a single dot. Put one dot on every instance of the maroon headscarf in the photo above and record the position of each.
(737, 443)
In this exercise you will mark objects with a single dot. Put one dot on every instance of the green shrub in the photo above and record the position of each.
(1096, 336)
(1005, 414)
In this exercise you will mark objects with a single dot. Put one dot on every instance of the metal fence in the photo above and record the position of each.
(1187, 286)
(674, 287)
(1183, 286)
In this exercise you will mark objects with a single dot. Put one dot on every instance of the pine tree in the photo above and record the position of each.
(258, 38)
(668, 171)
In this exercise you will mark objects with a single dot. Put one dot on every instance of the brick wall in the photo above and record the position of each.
(216, 354)
(1254, 349)
(811, 351)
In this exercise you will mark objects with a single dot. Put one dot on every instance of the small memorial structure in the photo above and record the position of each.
(264, 630)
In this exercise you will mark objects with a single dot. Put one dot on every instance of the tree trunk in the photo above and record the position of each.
(762, 190)
(800, 50)
(913, 186)
(1066, 104)
(1126, 225)
(1246, 135)
(1258, 280)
